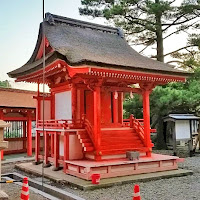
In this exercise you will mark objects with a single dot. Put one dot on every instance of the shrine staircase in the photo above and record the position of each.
(85, 141)
(120, 140)
(114, 141)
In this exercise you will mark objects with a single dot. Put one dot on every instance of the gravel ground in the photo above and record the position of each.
(13, 190)
(179, 188)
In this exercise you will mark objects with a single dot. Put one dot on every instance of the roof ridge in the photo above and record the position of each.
(51, 18)
(18, 90)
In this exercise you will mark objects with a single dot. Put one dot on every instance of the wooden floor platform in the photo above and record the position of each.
(122, 167)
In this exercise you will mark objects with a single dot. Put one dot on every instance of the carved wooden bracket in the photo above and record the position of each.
(147, 86)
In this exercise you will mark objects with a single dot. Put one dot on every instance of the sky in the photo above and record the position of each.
(19, 25)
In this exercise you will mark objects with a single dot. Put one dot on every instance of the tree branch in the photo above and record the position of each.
(176, 61)
(182, 29)
(179, 50)
(178, 23)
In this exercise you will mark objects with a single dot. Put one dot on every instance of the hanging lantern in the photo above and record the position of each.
(131, 95)
(115, 94)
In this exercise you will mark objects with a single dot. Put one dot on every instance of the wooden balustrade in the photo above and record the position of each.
(60, 124)
(89, 129)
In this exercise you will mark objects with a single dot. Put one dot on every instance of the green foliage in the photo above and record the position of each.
(5, 84)
(171, 98)
(133, 106)
(146, 22)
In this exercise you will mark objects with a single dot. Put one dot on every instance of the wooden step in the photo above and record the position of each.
(117, 132)
(89, 144)
(121, 146)
(83, 137)
(85, 140)
(121, 142)
(132, 138)
(88, 149)
(122, 151)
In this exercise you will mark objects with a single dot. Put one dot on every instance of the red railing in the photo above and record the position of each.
(60, 124)
(89, 129)
(126, 123)
(138, 127)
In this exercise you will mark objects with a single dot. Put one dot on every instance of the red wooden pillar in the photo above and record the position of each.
(24, 134)
(74, 101)
(37, 147)
(115, 108)
(52, 117)
(46, 149)
(81, 102)
(66, 150)
(97, 121)
(120, 107)
(38, 106)
(56, 151)
(29, 135)
(146, 116)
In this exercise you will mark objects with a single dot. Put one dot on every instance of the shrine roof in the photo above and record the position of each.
(17, 98)
(78, 42)
(181, 117)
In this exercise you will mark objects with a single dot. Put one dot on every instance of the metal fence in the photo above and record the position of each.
(16, 129)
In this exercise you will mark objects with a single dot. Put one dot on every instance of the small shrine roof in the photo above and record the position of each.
(16, 98)
(181, 117)
(78, 42)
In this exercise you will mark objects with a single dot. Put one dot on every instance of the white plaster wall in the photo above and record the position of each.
(63, 105)
(182, 128)
(63, 110)
(75, 148)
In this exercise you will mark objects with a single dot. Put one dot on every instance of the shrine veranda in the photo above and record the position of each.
(89, 68)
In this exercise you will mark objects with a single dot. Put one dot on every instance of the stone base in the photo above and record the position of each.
(3, 195)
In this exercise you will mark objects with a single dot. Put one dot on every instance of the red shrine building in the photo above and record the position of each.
(89, 68)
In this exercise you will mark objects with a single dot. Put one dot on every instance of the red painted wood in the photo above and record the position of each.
(29, 136)
(56, 149)
(1, 114)
(52, 145)
(81, 100)
(46, 147)
(89, 106)
(37, 146)
(2, 154)
(97, 122)
(146, 116)
(66, 150)
(74, 101)
(62, 87)
(120, 107)
(115, 108)
(106, 115)
(24, 134)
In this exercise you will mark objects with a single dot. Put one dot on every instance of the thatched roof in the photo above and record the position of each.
(78, 42)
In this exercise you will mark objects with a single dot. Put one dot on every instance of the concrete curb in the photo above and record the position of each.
(15, 160)
(48, 189)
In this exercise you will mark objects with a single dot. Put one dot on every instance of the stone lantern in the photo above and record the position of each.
(3, 145)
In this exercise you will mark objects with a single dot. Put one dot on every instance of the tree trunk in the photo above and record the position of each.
(159, 35)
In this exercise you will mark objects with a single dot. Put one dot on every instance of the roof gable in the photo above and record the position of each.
(83, 42)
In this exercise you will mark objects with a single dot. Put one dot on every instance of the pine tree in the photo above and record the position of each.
(148, 22)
